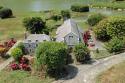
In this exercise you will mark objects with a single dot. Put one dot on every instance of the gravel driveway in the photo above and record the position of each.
(87, 73)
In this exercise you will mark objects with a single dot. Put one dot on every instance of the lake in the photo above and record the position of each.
(41, 5)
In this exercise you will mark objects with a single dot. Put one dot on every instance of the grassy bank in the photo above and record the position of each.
(21, 77)
(111, 5)
(115, 74)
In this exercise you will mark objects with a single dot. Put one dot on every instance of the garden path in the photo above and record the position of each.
(5, 63)
(87, 73)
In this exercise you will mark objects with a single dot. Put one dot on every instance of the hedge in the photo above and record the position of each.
(80, 8)
(5, 13)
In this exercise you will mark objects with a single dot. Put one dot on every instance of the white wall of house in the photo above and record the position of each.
(30, 47)
(71, 39)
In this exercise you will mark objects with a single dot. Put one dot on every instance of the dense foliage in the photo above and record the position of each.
(110, 27)
(56, 17)
(16, 53)
(34, 25)
(115, 45)
(95, 18)
(5, 13)
(101, 31)
(81, 52)
(80, 8)
(116, 27)
(65, 14)
(21, 46)
(51, 57)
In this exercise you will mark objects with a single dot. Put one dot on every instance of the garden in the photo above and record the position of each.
(51, 58)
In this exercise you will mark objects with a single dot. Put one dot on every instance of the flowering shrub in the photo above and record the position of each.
(23, 65)
(14, 66)
(24, 60)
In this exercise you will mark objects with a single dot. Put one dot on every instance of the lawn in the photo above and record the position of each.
(115, 74)
(13, 27)
(21, 77)
(101, 54)
(115, 5)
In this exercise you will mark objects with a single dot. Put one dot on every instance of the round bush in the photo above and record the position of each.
(5, 13)
(65, 14)
(81, 52)
(116, 26)
(115, 45)
(101, 31)
(17, 53)
(34, 25)
(80, 8)
(51, 56)
(95, 18)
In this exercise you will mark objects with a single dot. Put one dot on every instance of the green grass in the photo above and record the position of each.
(21, 77)
(13, 27)
(115, 74)
(101, 54)
(115, 5)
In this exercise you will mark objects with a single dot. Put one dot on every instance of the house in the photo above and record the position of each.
(31, 42)
(69, 33)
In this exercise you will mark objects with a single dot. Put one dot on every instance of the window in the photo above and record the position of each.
(70, 36)
(29, 40)
(36, 40)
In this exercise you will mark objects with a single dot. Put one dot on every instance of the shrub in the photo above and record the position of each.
(1, 7)
(21, 46)
(94, 19)
(101, 31)
(119, 0)
(5, 13)
(115, 45)
(34, 25)
(56, 17)
(51, 56)
(116, 26)
(79, 8)
(65, 14)
(81, 52)
(14, 66)
(16, 53)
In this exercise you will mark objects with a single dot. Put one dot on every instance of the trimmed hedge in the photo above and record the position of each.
(5, 13)
(80, 8)
(95, 18)
(51, 57)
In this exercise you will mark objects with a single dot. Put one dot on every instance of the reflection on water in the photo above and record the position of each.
(36, 5)
(40, 5)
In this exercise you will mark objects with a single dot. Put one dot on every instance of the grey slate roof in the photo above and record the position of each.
(69, 26)
(37, 38)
